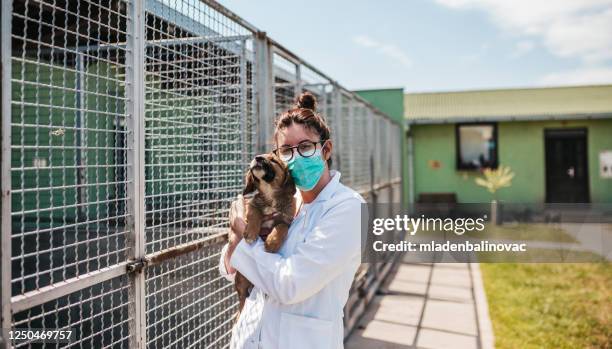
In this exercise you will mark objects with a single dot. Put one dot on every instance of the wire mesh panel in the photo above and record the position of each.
(333, 113)
(387, 151)
(346, 153)
(68, 140)
(395, 153)
(197, 133)
(285, 83)
(316, 84)
(188, 303)
(360, 148)
(381, 175)
(196, 121)
(97, 315)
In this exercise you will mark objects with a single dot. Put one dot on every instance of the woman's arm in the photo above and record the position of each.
(328, 250)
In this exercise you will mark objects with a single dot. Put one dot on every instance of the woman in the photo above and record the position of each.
(299, 294)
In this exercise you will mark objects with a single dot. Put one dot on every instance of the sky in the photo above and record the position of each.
(443, 45)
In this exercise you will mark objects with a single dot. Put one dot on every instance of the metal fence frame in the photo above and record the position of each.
(367, 143)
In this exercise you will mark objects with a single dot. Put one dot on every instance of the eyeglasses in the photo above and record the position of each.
(305, 149)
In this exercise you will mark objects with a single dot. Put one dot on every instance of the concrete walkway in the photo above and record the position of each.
(427, 306)
(593, 237)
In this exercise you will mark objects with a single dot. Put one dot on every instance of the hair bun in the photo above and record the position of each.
(306, 101)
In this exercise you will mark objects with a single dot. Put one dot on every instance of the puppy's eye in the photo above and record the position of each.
(275, 161)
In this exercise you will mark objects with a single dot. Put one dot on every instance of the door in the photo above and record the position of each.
(567, 178)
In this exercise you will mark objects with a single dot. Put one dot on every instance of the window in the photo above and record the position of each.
(476, 146)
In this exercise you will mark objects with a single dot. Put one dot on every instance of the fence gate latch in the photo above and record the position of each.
(136, 265)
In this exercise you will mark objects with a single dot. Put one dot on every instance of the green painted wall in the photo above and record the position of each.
(521, 146)
(46, 117)
(176, 155)
(391, 102)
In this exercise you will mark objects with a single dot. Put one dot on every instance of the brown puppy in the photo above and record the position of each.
(269, 212)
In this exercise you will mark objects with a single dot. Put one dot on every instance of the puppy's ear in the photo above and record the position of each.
(288, 184)
(250, 184)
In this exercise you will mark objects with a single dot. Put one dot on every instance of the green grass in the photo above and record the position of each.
(537, 232)
(523, 232)
(550, 305)
(540, 255)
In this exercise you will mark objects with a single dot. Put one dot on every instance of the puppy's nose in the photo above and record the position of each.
(259, 158)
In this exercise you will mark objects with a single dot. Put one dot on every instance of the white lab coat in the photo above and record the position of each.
(299, 293)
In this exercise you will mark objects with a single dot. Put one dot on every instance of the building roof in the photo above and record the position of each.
(510, 104)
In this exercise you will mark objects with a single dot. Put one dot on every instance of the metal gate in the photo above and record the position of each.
(126, 129)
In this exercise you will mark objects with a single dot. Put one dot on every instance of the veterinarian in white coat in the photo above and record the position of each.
(299, 293)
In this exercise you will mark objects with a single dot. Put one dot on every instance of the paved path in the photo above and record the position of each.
(427, 306)
(593, 237)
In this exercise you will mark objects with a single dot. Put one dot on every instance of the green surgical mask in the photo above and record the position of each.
(306, 172)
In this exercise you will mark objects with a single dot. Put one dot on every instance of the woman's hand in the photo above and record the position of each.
(237, 225)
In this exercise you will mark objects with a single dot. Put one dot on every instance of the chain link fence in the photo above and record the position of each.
(126, 130)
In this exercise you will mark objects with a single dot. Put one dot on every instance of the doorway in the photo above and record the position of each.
(567, 178)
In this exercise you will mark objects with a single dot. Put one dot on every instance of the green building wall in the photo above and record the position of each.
(521, 146)
(45, 128)
(389, 101)
(50, 114)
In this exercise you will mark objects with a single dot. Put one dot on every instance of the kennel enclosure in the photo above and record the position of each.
(126, 130)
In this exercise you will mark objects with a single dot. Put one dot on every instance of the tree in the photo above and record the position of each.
(493, 180)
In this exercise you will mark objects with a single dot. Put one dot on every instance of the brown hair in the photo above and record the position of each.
(304, 112)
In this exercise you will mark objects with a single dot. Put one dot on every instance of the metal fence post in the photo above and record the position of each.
(337, 111)
(400, 140)
(299, 85)
(5, 238)
(264, 90)
(81, 134)
(410, 169)
(371, 155)
(136, 166)
(390, 151)
(351, 127)
(323, 100)
(243, 99)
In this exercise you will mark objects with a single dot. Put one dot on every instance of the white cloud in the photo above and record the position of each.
(522, 48)
(580, 76)
(568, 28)
(389, 50)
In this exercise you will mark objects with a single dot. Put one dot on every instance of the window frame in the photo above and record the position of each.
(459, 165)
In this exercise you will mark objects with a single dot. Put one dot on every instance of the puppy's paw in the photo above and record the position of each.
(249, 234)
(250, 239)
(272, 243)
